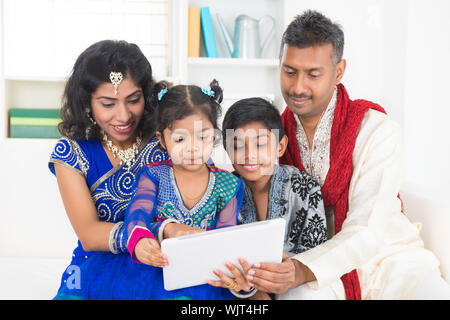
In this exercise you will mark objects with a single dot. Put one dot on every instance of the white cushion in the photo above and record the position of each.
(34, 222)
(30, 279)
(434, 215)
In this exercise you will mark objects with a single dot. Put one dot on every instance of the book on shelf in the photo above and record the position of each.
(34, 123)
(194, 29)
(39, 132)
(208, 32)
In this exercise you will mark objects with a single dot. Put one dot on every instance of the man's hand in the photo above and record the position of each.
(279, 277)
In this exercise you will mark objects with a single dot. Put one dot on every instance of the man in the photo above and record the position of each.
(355, 152)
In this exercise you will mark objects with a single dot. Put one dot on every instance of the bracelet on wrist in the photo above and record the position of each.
(244, 294)
(121, 240)
(114, 238)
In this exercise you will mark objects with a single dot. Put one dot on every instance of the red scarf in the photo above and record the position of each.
(347, 118)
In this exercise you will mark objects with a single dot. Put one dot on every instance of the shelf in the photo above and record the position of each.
(30, 140)
(233, 62)
(34, 78)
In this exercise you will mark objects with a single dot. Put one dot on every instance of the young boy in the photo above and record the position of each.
(254, 139)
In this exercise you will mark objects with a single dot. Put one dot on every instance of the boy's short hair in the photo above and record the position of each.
(249, 110)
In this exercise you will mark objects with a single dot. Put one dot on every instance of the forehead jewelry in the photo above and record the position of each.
(116, 78)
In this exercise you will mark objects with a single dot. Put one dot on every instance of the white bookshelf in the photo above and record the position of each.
(27, 83)
(238, 77)
(39, 44)
(271, 63)
(35, 63)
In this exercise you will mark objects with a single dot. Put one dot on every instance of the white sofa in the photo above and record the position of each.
(433, 212)
(37, 240)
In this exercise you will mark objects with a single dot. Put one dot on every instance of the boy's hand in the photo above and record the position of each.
(238, 283)
(172, 230)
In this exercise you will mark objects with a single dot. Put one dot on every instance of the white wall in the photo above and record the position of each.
(374, 46)
(398, 55)
(427, 106)
(33, 220)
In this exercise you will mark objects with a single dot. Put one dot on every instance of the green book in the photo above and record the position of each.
(46, 122)
(34, 117)
(33, 113)
(34, 132)
(34, 123)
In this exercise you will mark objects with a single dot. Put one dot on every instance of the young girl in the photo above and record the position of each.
(171, 198)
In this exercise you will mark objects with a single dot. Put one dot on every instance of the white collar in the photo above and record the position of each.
(326, 119)
(316, 159)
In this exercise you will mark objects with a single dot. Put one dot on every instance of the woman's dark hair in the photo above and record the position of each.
(181, 101)
(92, 69)
(312, 28)
(250, 110)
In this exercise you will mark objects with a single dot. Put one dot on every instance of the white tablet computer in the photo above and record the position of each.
(193, 258)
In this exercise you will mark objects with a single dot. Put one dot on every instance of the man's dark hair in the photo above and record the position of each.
(312, 28)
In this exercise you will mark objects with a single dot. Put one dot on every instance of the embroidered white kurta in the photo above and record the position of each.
(376, 237)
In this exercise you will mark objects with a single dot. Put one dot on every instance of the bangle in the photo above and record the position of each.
(244, 294)
(113, 246)
(121, 240)
(162, 226)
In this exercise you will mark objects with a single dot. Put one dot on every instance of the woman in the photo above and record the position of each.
(108, 135)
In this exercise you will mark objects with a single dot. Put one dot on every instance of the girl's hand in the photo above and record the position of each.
(173, 230)
(148, 251)
(238, 283)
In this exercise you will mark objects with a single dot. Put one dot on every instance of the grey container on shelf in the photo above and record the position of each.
(246, 43)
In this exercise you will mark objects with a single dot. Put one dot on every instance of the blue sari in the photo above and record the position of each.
(157, 200)
(103, 275)
(111, 189)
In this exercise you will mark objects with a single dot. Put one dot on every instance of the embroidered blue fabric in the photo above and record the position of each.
(103, 275)
(158, 198)
(111, 189)
(107, 276)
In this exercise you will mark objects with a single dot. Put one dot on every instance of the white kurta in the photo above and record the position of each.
(376, 237)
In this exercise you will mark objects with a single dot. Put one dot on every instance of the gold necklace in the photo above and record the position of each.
(127, 156)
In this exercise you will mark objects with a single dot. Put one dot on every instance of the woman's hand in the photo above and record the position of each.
(238, 283)
(148, 251)
(172, 230)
